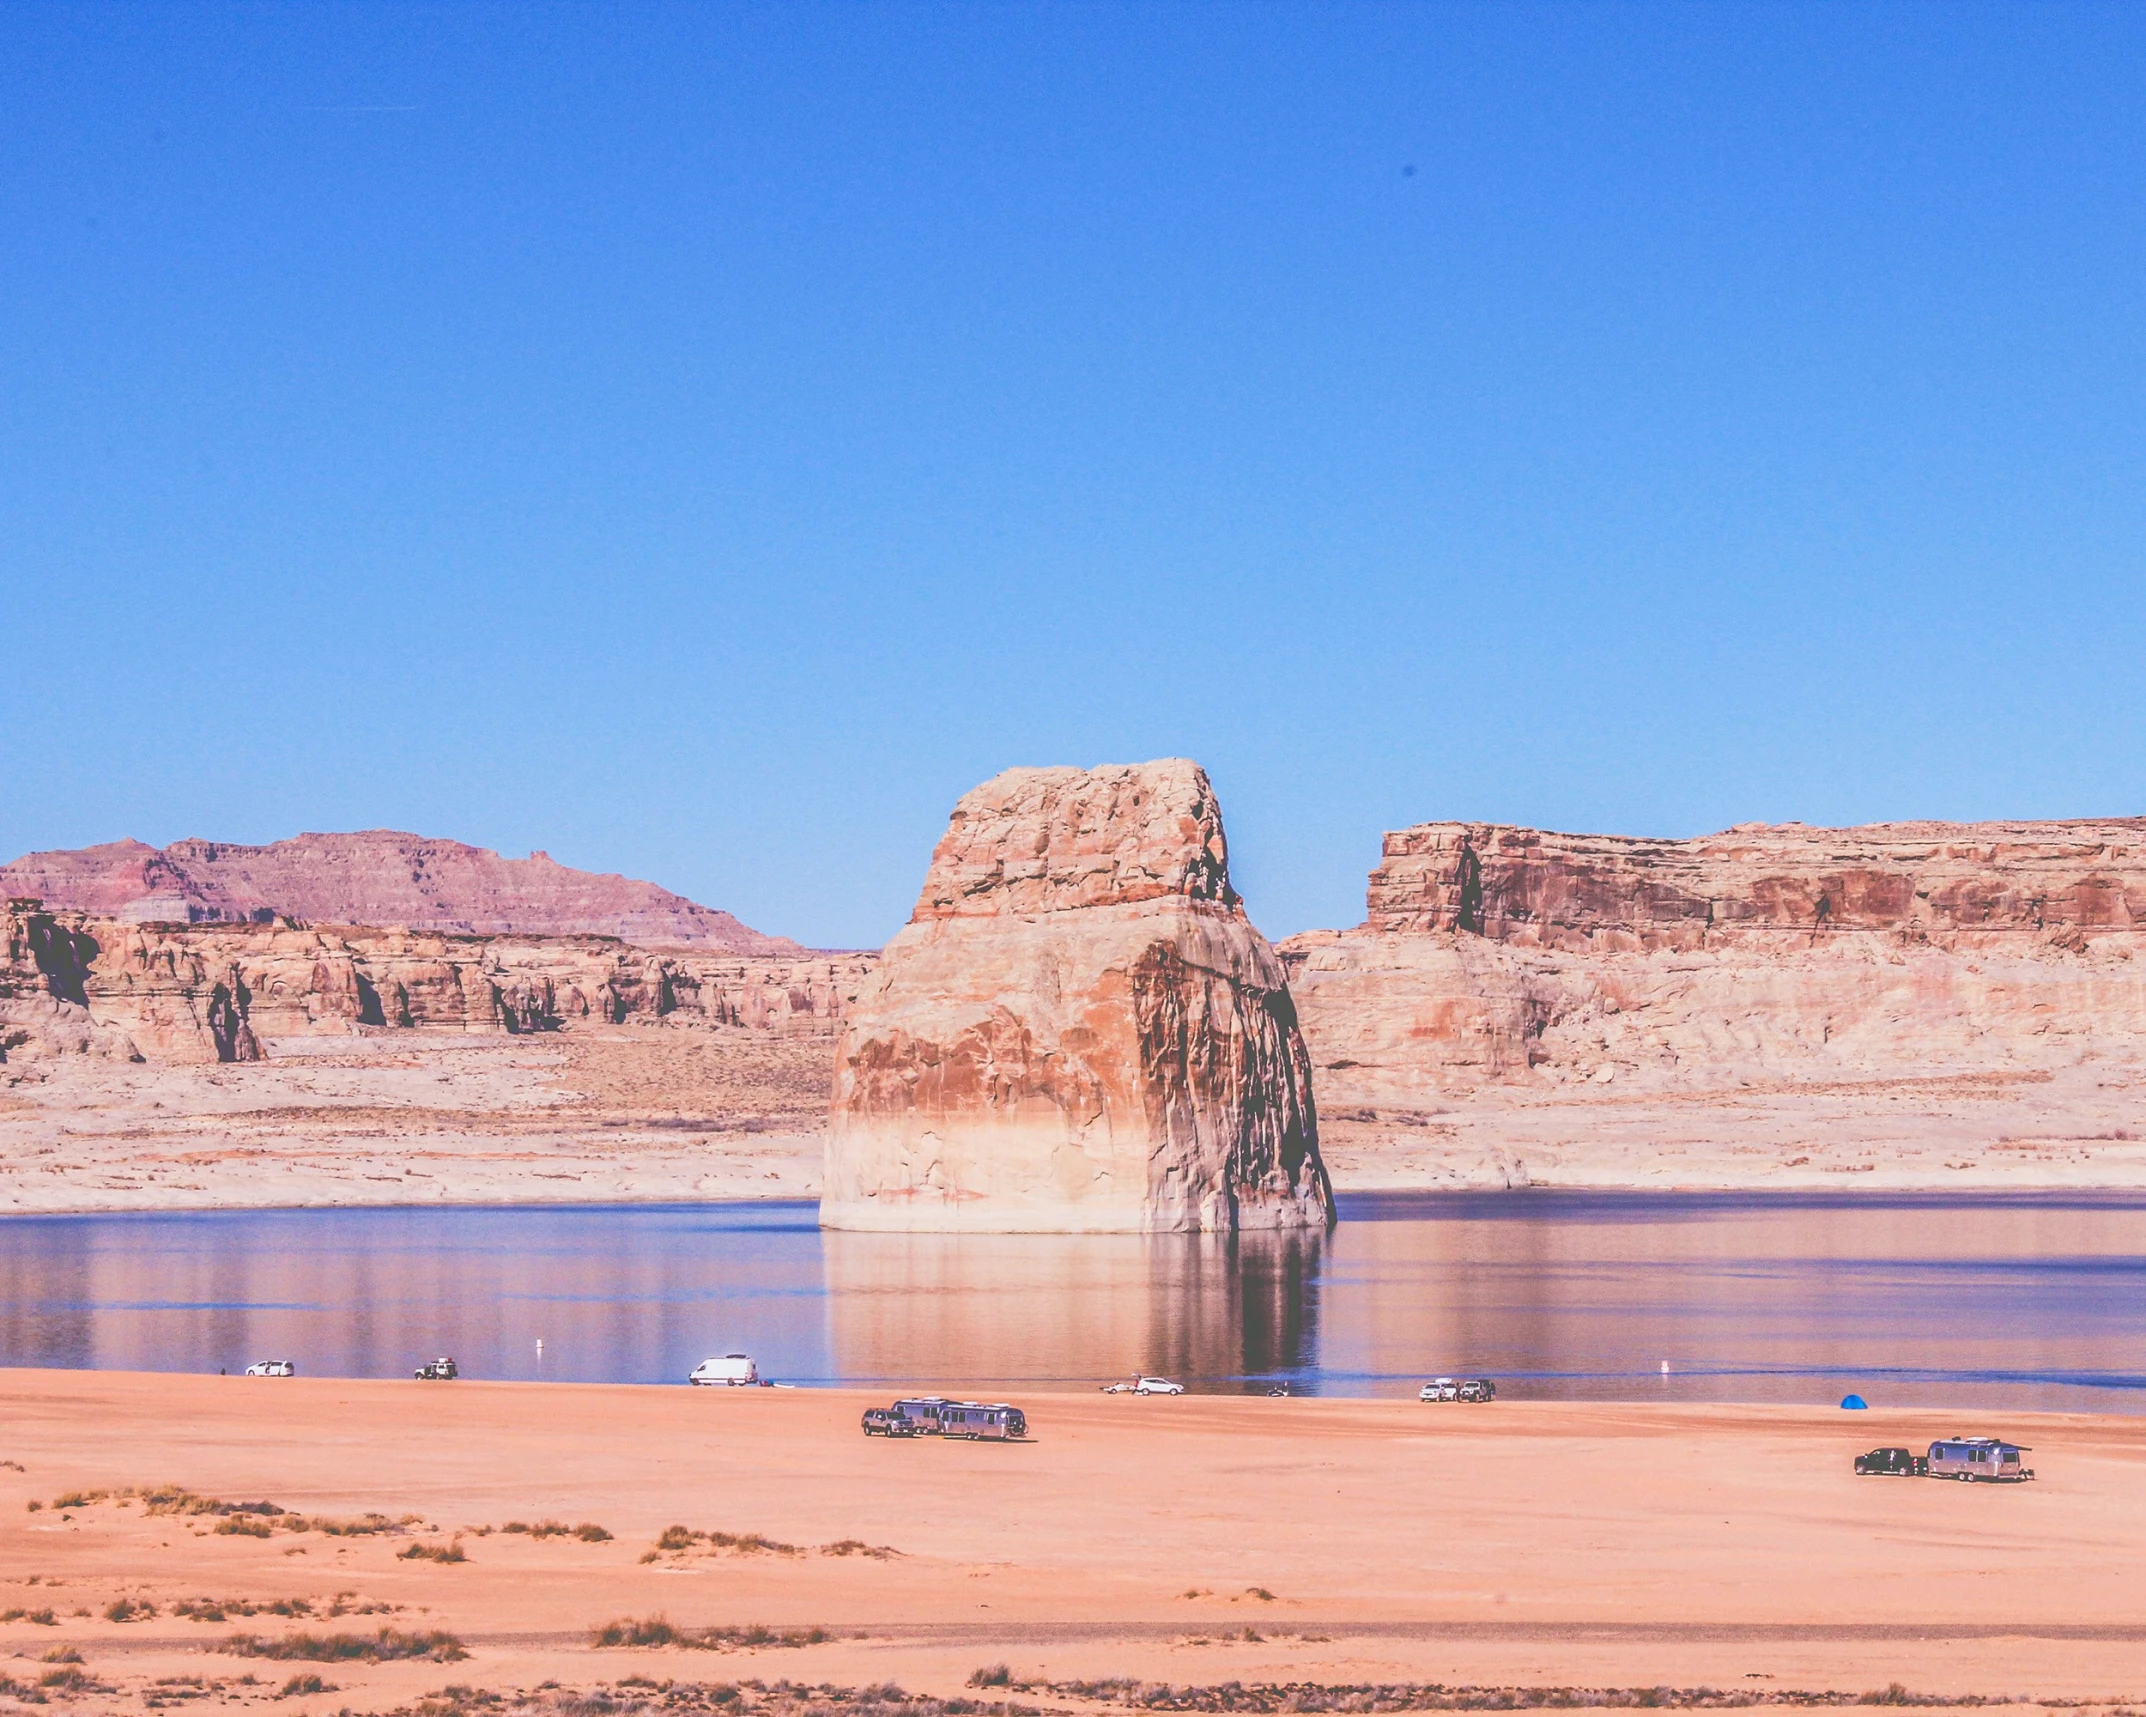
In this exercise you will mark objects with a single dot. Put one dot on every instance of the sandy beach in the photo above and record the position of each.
(1194, 1541)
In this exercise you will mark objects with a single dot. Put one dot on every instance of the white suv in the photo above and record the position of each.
(1157, 1386)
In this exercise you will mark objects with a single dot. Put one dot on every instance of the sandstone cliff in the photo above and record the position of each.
(374, 877)
(1495, 954)
(73, 983)
(1078, 1029)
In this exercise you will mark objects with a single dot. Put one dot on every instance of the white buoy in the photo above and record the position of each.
(1665, 1363)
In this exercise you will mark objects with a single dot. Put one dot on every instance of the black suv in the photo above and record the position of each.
(1901, 1463)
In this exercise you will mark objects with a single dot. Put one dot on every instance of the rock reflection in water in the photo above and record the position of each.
(1038, 1308)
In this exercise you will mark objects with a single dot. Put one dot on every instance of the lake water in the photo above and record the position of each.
(2035, 1301)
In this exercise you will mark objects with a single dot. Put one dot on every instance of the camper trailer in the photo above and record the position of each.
(1977, 1458)
(994, 1421)
(922, 1412)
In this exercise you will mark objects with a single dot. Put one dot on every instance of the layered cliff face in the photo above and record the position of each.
(73, 983)
(1078, 1029)
(1491, 954)
(375, 877)
(1764, 886)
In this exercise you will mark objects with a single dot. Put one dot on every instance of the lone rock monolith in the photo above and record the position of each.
(1078, 1030)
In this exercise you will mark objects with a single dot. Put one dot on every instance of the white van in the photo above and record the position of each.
(734, 1370)
(271, 1368)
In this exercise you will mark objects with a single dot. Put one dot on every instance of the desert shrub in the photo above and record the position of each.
(658, 1630)
(309, 1682)
(750, 1544)
(129, 1610)
(433, 1553)
(723, 1639)
(858, 1547)
(590, 1533)
(221, 1609)
(655, 1630)
(366, 1525)
(62, 1654)
(991, 1675)
(244, 1526)
(388, 1645)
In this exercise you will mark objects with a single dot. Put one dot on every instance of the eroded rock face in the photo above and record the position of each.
(1599, 893)
(73, 983)
(374, 877)
(1758, 955)
(45, 961)
(1078, 1029)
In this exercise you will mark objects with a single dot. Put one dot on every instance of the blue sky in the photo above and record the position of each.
(703, 441)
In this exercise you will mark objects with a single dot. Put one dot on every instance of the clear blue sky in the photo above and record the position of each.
(703, 441)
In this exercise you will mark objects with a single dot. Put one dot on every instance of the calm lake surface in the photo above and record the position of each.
(2019, 1301)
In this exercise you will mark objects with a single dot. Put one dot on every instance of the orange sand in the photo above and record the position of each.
(1515, 1543)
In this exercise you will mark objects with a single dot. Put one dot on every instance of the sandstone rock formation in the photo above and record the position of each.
(1078, 1029)
(1759, 954)
(73, 983)
(374, 877)
(44, 977)
(1601, 893)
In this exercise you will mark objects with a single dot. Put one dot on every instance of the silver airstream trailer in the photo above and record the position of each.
(1973, 1458)
(922, 1412)
(977, 1419)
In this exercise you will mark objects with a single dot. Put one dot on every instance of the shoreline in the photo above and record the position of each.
(653, 1116)
(1195, 1541)
(1866, 1194)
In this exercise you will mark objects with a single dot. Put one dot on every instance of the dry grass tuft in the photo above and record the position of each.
(389, 1645)
(659, 1631)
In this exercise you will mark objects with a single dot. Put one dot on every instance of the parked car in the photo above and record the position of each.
(1439, 1389)
(1985, 1459)
(886, 1422)
(438, 1370)
(1897, 1463)
(733, 1370)
(993, 1421)
(1123, 1386)
(1156, 1386)
(271, 1368)
(1478, 1389)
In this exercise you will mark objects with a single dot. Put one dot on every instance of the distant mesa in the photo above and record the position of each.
(1078, 1030)
(1763, 953)
(373, 877)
